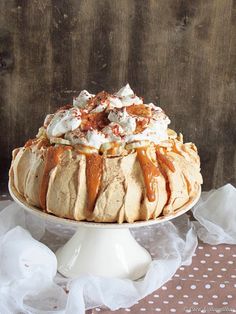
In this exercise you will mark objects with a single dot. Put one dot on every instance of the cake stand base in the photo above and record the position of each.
(102, 249)
(105, 252)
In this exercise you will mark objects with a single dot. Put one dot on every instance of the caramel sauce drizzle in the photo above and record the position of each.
(140, 110)
(94, 167)
(52, 158)
(168, 189)
(113, 150)
(96, 120)
(165, 160)
(150, 171)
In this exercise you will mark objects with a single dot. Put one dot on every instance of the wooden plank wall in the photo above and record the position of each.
(179, 54)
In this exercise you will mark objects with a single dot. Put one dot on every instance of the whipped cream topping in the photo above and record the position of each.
(113, 132)
(97, 119)
(155, 132)
(62, 122)
(99, 108)
(115, 102)
(127, 96)
(122, 118)
(82, 99)
(90, 138)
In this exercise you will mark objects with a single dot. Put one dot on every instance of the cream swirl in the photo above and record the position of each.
(82, 100)
(127, 122)
(63, 121)
(127, 96)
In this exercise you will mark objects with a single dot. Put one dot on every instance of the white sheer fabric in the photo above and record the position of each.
(29, 282)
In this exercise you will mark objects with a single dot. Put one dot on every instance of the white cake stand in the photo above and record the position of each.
(102, 249)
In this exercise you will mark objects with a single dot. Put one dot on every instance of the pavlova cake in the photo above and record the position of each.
(107, 158)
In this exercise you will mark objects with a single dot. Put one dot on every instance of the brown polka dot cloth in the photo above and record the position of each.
(208, 285)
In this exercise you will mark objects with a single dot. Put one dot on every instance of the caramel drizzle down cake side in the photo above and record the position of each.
(109, 126)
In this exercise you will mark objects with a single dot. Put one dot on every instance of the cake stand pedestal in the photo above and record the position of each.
(104, 252)
(102, 249)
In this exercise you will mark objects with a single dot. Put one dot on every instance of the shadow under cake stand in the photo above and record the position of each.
(102, 249)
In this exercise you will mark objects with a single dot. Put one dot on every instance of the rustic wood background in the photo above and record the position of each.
(179, 54)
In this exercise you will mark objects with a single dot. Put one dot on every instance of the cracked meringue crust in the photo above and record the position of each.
(55, 179)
